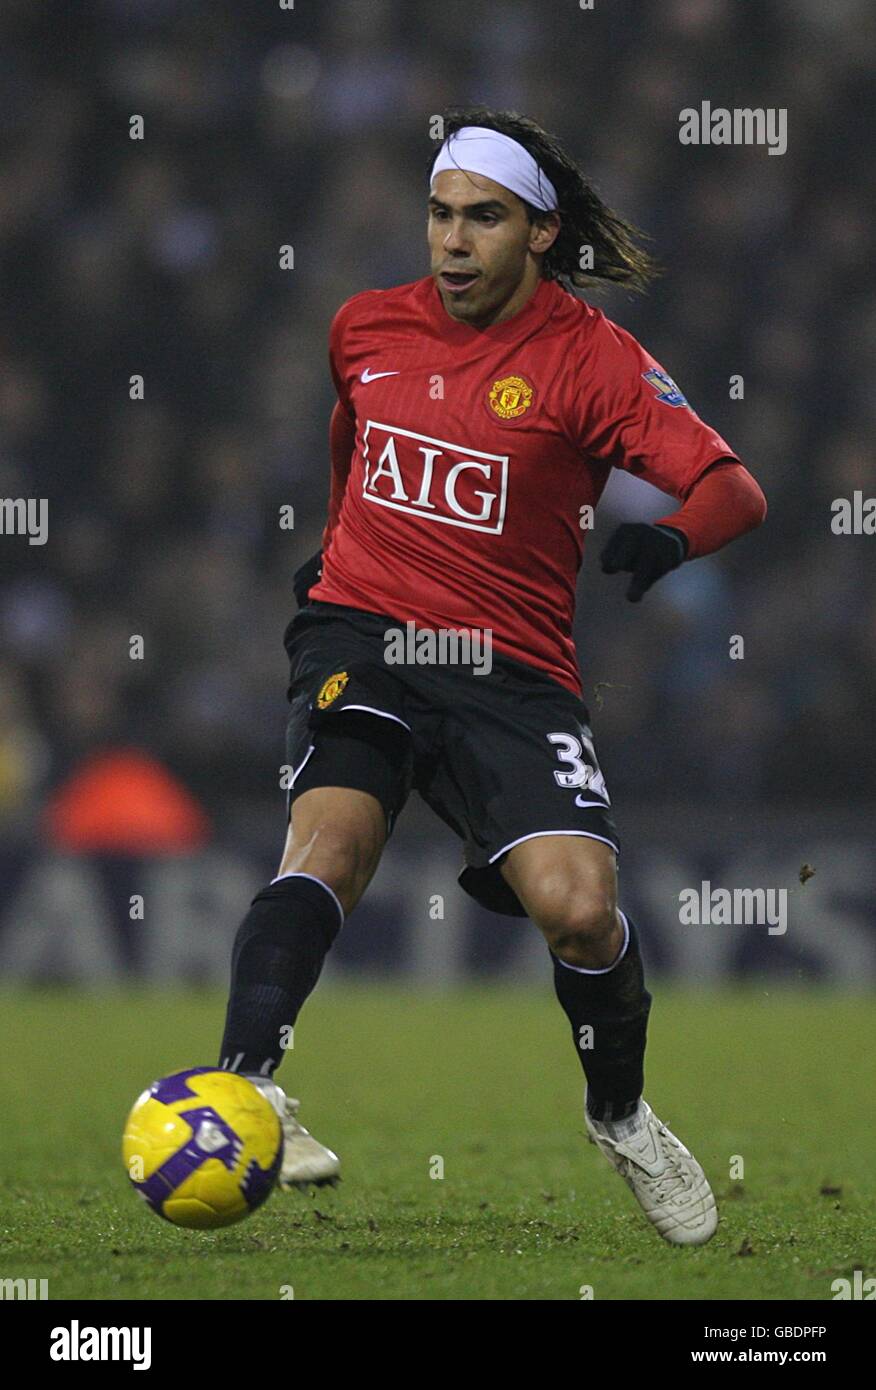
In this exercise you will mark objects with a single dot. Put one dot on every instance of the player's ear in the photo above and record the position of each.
(543, 232)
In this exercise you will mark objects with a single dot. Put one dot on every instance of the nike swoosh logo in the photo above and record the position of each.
(579, 801)
(368, 375)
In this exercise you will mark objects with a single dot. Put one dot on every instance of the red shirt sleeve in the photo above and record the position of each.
(628, 412)
(723, 504)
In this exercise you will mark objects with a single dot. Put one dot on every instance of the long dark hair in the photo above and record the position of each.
(585, 220)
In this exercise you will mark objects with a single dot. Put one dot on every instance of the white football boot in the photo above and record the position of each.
(670, 1185)
(306, 1162)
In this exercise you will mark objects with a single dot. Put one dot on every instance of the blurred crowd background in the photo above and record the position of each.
(309, 127)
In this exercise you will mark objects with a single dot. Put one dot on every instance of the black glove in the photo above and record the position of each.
(304, 578)
(648, 552)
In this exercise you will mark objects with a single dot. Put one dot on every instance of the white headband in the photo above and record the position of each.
(480, 150)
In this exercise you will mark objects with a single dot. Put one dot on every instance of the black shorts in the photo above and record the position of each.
(500, 757)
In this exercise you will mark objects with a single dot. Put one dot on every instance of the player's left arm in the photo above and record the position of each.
(723, 503)
(626, 411)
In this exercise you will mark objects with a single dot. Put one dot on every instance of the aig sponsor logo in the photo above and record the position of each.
(434, 479)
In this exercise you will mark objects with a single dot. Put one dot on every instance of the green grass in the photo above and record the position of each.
(486, 1079)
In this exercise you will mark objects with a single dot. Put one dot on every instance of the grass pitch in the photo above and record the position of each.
(484, 1080)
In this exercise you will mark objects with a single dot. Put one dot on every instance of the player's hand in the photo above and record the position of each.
(305, 577)
(647, 552)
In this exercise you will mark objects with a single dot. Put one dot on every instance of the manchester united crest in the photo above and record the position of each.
(331, 689)
(510, 397)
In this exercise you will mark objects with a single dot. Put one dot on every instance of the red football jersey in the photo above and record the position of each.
(476, 453)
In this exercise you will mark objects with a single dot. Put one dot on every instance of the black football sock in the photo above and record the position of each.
(608, 1010)
(278, 955)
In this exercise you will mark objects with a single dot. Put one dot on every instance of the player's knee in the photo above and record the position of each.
(345, 857)
(337, 839)
(346, 848)
(578, 921)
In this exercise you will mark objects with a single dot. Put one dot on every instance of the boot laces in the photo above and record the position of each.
(673, 1181)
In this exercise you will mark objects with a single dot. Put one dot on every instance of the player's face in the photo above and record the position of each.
(485, 252)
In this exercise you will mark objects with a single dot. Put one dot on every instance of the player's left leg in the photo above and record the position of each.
(568, 885)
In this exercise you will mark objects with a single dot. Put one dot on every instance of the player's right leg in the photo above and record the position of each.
(335, 838)
(333, 846)
(348, 756)
(332, 849)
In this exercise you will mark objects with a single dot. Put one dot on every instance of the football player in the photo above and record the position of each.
(480, 411)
